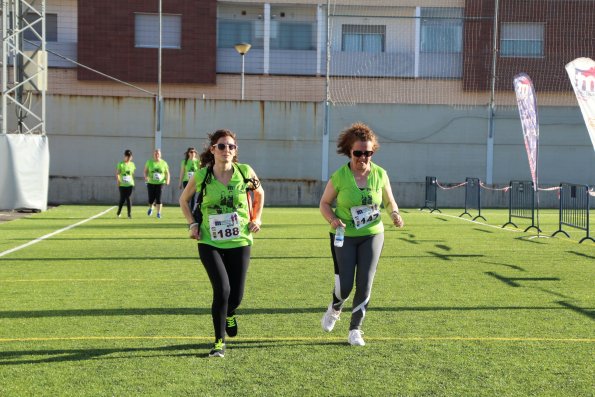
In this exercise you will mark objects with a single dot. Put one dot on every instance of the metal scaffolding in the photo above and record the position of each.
(24, 67)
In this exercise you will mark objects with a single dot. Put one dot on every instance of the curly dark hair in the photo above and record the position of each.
(206, 157)
(356, 132)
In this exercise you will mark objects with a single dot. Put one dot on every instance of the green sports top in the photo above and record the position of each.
(218, 200)
(156, 171)
(190, 167)
(350, 196)
(126, 172)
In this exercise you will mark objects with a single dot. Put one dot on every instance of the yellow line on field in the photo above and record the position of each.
(54, 280)
(304, 339)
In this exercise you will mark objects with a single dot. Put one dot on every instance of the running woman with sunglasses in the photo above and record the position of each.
(229, 217)
(358, 188)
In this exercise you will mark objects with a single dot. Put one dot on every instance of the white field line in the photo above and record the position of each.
(304, 339)
(477, 223)
(37, 240)
(504, 228)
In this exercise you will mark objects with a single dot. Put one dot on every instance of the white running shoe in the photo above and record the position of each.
(331, 316)
(355, 338)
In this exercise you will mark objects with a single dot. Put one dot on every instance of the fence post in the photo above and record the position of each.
(472, 197)
(521, 203)
(431, 195)
(574, 209)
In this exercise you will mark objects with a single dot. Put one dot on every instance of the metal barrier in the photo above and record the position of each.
(473, 197)
(431, 195)
(521, 203)
(574, 209)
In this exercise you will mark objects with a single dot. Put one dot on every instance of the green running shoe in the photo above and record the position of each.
(231, 326)
(218, 349)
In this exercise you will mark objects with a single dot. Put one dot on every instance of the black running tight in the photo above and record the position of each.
(227, 270)
(125, 192)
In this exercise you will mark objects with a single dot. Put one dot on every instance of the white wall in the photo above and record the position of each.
(281, 140)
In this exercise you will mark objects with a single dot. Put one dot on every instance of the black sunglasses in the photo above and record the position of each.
(221, 146)
(359, 153)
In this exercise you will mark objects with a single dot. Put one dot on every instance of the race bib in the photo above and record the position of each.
(224, 226)
(127, 179)
(156, 176)
(364, 215)
(190, 174)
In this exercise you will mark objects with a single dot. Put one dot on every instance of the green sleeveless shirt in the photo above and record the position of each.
(349, 196)
(220, 199)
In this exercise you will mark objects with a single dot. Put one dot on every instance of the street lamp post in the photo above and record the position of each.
(242, 49)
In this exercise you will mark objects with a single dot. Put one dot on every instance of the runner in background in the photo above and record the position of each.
(156, 175)
(359, 188)
(224, 235)
(125, 181)
(189, 166)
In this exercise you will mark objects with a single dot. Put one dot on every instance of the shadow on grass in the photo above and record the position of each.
(443, 247)
(448, 257)
(203, 311)
(118, 260)
(57, 355)
(482, 230)
(581, 254)
(590, 313)
(512, 281)
(515, 267)
(531, 239)
(199, 350)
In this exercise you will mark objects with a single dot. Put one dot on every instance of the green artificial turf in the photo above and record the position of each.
(122, 307)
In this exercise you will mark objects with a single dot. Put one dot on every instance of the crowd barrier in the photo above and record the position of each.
(473, 198)
(431, 202)
(574, 209)
(521, 203)
(574, 202)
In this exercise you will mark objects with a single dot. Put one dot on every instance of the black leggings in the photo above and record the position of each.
(154, 193)
(227, 270)
(125, 193)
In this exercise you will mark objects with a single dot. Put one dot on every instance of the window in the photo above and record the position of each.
(51, 27)
(522, 40)
(441, 30)
(230, 33)
(293, 36)
(363, 38)
(146, 31)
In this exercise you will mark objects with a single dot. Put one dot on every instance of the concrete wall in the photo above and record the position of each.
(282, 141)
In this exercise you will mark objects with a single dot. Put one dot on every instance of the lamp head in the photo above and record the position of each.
(243, 48)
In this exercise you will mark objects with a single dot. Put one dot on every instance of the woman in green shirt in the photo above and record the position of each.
(125, 181)
(156, 175)
(359, 188)
(229, 217)
(188, 168)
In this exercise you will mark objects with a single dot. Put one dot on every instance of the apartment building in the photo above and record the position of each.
(418, 71)
(445, 40)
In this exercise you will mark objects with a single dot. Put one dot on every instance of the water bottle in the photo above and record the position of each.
(339, 236)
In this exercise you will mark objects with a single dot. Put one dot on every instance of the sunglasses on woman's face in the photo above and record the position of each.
(221, 146)
(359, 153)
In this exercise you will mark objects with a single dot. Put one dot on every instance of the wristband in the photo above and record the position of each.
(395, 212)
(190, 226)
